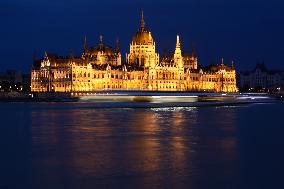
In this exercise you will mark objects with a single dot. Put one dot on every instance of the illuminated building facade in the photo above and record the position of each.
(101, 68)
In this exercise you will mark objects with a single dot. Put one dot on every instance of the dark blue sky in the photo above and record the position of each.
(246, 31)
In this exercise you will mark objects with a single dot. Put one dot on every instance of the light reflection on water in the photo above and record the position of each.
(75, 145)
(148, 145)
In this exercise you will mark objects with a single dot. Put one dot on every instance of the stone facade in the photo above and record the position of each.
(101, 68)
(261, 79)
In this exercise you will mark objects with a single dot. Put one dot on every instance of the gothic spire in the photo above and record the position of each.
(117, 45)
(178, 42)
(142, 22)
(178, 55)
(85, 44)
(222, 61)
(101, 41)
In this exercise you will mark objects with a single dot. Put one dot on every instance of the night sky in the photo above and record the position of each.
(246, 31)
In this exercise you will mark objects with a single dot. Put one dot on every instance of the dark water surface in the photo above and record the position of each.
(74, 145)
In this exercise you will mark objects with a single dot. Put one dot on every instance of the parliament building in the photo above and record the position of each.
(102, 68)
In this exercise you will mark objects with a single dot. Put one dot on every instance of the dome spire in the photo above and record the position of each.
(142, 22)
(222, 62)
(101, 41)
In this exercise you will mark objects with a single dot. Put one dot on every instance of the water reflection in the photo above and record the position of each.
(131, 147)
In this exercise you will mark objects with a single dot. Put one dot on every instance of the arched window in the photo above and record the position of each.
(142, 61)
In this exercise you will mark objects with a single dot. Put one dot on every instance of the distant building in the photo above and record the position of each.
(261, 79)
(101, 68)
(14, 80)
(11, 76)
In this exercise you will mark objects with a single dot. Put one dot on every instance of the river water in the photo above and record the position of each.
(78, 145)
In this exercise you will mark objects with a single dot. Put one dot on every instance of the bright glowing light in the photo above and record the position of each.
(174, 109)
(152, 75)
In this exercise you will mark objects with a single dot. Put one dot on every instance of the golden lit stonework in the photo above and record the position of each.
(101, 68)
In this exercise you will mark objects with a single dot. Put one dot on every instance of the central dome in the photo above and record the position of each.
(143, 36)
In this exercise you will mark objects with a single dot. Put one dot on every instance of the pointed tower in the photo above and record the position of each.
(85, 44)
(45, 54)
(101, 42)
(142, 22)
(194, 58)
(142, 47)
(117, 53)
(178, 56)
(86, 49)
(45, 61)
(117, 46)
(222, 62)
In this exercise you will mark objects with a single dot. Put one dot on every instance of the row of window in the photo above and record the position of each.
(102, 76)
(140, 47)
(213, 79)
(57, 85)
